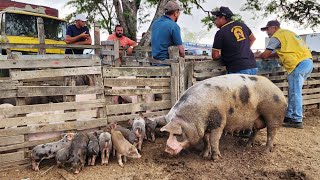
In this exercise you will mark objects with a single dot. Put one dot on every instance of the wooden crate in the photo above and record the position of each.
(138, 82)
(39, 77)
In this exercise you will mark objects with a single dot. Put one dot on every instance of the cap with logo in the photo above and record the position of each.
(223, 11)
(270, 24)
(172, 6)
(80, 17)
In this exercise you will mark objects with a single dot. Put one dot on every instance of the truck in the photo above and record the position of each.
(18, 24)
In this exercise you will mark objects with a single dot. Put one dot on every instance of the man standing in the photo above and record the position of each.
(296, 58)
(78, 33)
(165, 32)
(125, 42)
(232, 43)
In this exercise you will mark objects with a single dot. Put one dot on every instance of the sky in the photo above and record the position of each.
(193, 22)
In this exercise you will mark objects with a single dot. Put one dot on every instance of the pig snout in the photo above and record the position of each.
(173, 146)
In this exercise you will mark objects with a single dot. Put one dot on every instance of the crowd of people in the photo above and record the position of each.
(232, 45)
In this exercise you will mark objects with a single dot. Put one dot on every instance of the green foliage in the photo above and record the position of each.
(96, 10)
(303, 12)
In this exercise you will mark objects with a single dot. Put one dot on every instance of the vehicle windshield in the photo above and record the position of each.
(26, 25)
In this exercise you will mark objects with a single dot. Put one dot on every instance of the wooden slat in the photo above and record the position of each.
(138, 91)
(8, 93)
(78, 125)
(51, 63)
(27, 91)
(107, 43)
(123, 82)
(51, 106)
(311, 101)
(124, 108)
(280, 77)
(22, 75)
(197, 58)
(312, 96)
(208, 74)
(136, 71)
(16, 156)
(46, 57)
(314, 75)
(49, 46)
(127, 117)
(28, 144)
(200, 65)
(9, 85)
(15, 164)
(47, 118)
(8, 140)
(308, 82)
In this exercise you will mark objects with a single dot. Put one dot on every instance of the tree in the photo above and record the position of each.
(303, 12)
(101, 11)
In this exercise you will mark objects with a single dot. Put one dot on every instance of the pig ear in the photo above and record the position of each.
(113, 125)
(63, 134)
(161, 120)
(70, 136)
(130, 122)
(172, 127)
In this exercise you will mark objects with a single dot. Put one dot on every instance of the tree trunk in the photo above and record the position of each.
(127, 16)
(146, 39)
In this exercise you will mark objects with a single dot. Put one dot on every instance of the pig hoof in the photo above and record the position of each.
(121, 165)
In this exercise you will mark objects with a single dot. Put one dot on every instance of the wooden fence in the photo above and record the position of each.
(55, 76)
(34, 78)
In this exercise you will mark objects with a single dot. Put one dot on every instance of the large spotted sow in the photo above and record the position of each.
(229, 103)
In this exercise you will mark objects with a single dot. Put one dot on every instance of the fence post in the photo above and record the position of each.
(183, 76)
(174, 86)
(97, 37)
(41, 36)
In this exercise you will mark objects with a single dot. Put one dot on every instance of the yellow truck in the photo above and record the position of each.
(19, 25)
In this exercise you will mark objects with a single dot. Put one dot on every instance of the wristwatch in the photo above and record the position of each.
(131, 47)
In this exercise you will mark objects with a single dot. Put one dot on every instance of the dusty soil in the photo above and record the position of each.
(296, 156)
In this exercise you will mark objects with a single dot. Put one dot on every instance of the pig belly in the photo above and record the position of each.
(245, 122)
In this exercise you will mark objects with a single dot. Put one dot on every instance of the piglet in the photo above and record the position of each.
(105, 143)
(139, 129)
(93, 148)
(150, 129)
(129, 135)
(78, 152)
(63, 155)
(49, 150)
(122, 146)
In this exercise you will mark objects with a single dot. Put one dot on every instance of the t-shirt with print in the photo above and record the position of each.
(73, 31)
(124, 41)
(233, 41)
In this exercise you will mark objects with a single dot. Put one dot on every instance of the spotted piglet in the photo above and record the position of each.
(139, 129)
(63, 155)
(93, 148)
(49, 150)
(78, 152)
(151, 126)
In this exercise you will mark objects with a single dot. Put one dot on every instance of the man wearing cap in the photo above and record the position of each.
(124, 41)
(78, 33)
(296, 59)
(232, 43)
(165, 32)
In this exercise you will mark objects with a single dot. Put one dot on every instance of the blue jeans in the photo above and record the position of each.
(295, 80)
(252, 71)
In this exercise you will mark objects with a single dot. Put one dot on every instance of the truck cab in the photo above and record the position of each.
(21, 27)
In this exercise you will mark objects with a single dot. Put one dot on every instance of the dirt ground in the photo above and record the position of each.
(296, 156)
